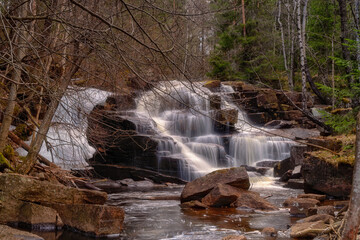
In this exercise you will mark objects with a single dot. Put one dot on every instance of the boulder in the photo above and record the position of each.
(326, 177)
(318, 197)
(28, 189)
(295, 184)
(286, 176)
(200, 187)
(234, 237)
(253, 200)
(328, 210)
(212, 85)
(297, 154)
(309, 229)
(299, 206)
(225, 119)
(221, 196)
(283, 166)
(319, 217)
(9, 233)
(267, 99)
(280, 124)
(296, 173)
(96, 220)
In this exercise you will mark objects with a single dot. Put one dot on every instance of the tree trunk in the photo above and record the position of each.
(243, 16)
(352, 218)
(283, 40)
(301, 38)
(16, 78)
(357, 16)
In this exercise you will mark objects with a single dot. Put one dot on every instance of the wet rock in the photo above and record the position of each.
(295, 184)
(286, 176)
(324, 177)
(280, 124)
(28, 189)
(267, 163)
(221, 196)
(318, 197)
(253, 200)
(193, 204)
(260, 170)
(200, 187)
(225, 119)
(259, 118)
(96, 220)
(269, 233)
(9, 233)
(299, 206)
(328, 210)
(296, 173)
(234, 237)
(309, 229)
(283, 166)
(319, 217)
(107, 185)
(116, 172)
(215, 102)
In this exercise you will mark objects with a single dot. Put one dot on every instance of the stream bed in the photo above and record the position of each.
(153, 213)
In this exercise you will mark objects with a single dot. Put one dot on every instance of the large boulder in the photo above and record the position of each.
(96, 220)
(200, 187)
(31, 190)
(326, 177)
(283, 166)
(221, 196)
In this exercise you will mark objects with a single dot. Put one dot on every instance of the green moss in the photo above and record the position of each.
(9, 152)
(23, 131)
(4, 163)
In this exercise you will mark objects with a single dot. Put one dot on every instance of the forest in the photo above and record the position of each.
(50, 48)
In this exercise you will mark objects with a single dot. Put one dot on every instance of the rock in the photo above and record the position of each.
(341, 204)
(286, 176)
(193, 204)
(280, 124)
(260, 170)
(200, 187)
(296, 173)
(253, 200)
(297, 154)
(295, 184)
(28, 189)
(116, 172)
(234, 237)
(318, 197)
(299, 206)
(215, 102)
(297, 133)
(108, 186)
(309, 229)
(267, 99)
(221, 196)
(96, 220)
(283, 166)
(8, 233)
(269, 233)
(267, 163)
(328, 178)
(225, 119)
(212, 85)
(329, 143)
(259, 118)
(328, 210)
(319, 217)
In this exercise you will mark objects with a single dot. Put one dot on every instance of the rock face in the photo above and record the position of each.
(200, 187)
(325, 177)
(36, 204)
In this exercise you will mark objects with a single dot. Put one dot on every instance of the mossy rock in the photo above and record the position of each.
(4, 163)
(9, 152)
(212, 84)
(23, 131)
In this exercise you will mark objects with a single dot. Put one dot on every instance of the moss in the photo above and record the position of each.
(212, 84)
(4, 163)
(23, 131)
(9, 152)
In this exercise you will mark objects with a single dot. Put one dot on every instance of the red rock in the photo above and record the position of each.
(222, 195)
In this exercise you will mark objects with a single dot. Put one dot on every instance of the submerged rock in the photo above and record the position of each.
(200, 187)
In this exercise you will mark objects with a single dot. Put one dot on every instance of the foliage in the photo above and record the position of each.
(341, 124)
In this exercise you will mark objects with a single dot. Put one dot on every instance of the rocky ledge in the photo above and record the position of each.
(33, 204)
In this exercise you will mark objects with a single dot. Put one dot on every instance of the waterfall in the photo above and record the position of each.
(178, 116)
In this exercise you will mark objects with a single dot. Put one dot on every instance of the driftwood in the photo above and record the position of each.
(22, 144)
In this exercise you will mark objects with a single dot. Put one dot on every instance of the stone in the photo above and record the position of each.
(330, 143)
(200, 187)
(283, 166)
(280, 124)
(299, 206)
(221, 196)
(324, 177)
(329, 210)
(318, 197)
(309, 229)
(259, 118)
(295, 184)
(26, 188)
(215, 102)
(234, 237)
(297, 154)
(9, 233)
(286, 176)
(96, 220)
(253, 200)
(269, 233)
(319, 217)
(212, 85)
(225, 119)
(193, 204)
(267, 99)
(297, 133)
(267, 163)
(296, 173)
